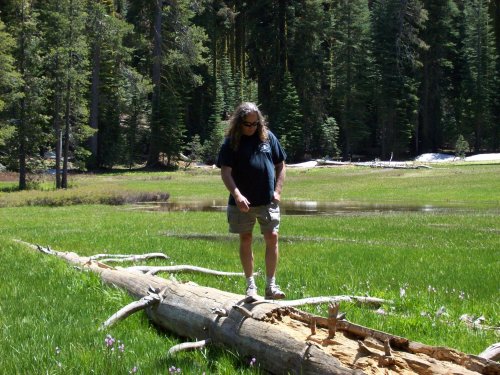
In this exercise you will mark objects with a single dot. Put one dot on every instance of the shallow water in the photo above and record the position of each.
(310, 208)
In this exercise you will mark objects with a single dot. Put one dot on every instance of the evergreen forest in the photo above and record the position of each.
(96, 84)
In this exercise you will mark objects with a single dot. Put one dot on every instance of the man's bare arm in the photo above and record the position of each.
(280, 179)
(241, 201)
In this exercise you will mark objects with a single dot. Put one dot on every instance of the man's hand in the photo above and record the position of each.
(242, 203)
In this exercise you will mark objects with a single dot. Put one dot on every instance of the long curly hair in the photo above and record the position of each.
(236, 122)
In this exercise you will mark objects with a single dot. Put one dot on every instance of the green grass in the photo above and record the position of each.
(448, 258)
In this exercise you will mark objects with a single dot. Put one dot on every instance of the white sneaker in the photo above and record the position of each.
(252, 291)
(274, 292)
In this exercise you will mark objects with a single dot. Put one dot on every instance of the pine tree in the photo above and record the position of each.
(479, 79)
(396, 26)
(111, 70)
(436, 78)
(303, 54)
(217, 126)
(67, 68)
(28, 109)
(178, 49)
(135, 109)
(330, 137)
(351, 63)
(10, 83)
(228, 86)
(289, 120)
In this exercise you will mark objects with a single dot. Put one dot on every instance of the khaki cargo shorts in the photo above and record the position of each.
(243, 222)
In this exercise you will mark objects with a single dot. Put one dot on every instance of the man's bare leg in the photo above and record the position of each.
(246, 254)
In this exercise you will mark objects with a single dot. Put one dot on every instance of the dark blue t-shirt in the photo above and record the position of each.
(253, 167)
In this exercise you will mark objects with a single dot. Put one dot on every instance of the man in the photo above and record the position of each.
(252, 166)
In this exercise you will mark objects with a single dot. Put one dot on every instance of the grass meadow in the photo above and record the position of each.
(445, 260)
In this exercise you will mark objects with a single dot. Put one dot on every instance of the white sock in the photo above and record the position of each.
(250, 281)
(270, 281)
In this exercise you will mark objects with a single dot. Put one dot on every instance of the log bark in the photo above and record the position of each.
(334, 299)
(280, 337)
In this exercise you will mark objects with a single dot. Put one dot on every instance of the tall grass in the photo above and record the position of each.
(423, 261)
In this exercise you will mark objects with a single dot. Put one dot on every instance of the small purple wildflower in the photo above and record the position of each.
(252, 362)
(133, 370)
(121, 347)
(174, 370)
(109, 340)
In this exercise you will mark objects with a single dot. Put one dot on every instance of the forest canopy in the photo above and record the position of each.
(99, 84)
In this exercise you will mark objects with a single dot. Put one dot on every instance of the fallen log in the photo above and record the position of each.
(279, 337)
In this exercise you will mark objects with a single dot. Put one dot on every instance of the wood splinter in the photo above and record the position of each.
(313, 326)
(333, 310)
(219, 311)
(387, 348)
(188, 346)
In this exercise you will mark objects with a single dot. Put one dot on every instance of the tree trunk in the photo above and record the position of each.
(58, 134)
(282, 339)
(22, 121)
(94, 103)
(154, 144)
(64, 182)
(67, 128)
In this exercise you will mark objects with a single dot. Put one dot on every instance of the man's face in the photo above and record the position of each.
(249, 124)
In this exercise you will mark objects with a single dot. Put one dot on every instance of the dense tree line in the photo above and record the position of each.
(119, 82)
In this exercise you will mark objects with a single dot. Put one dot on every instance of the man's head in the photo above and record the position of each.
(247, 119)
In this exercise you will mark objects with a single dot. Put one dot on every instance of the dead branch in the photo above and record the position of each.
(120, 258)
(153, 270)
(334, 299)
(188, 346)
(492, 352)
(125, 312)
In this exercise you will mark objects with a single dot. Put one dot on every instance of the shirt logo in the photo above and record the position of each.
(264, 147)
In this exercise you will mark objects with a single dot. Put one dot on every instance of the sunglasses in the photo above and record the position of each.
(250, 124)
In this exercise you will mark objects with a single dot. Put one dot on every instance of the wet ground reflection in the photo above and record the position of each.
(312, 208)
